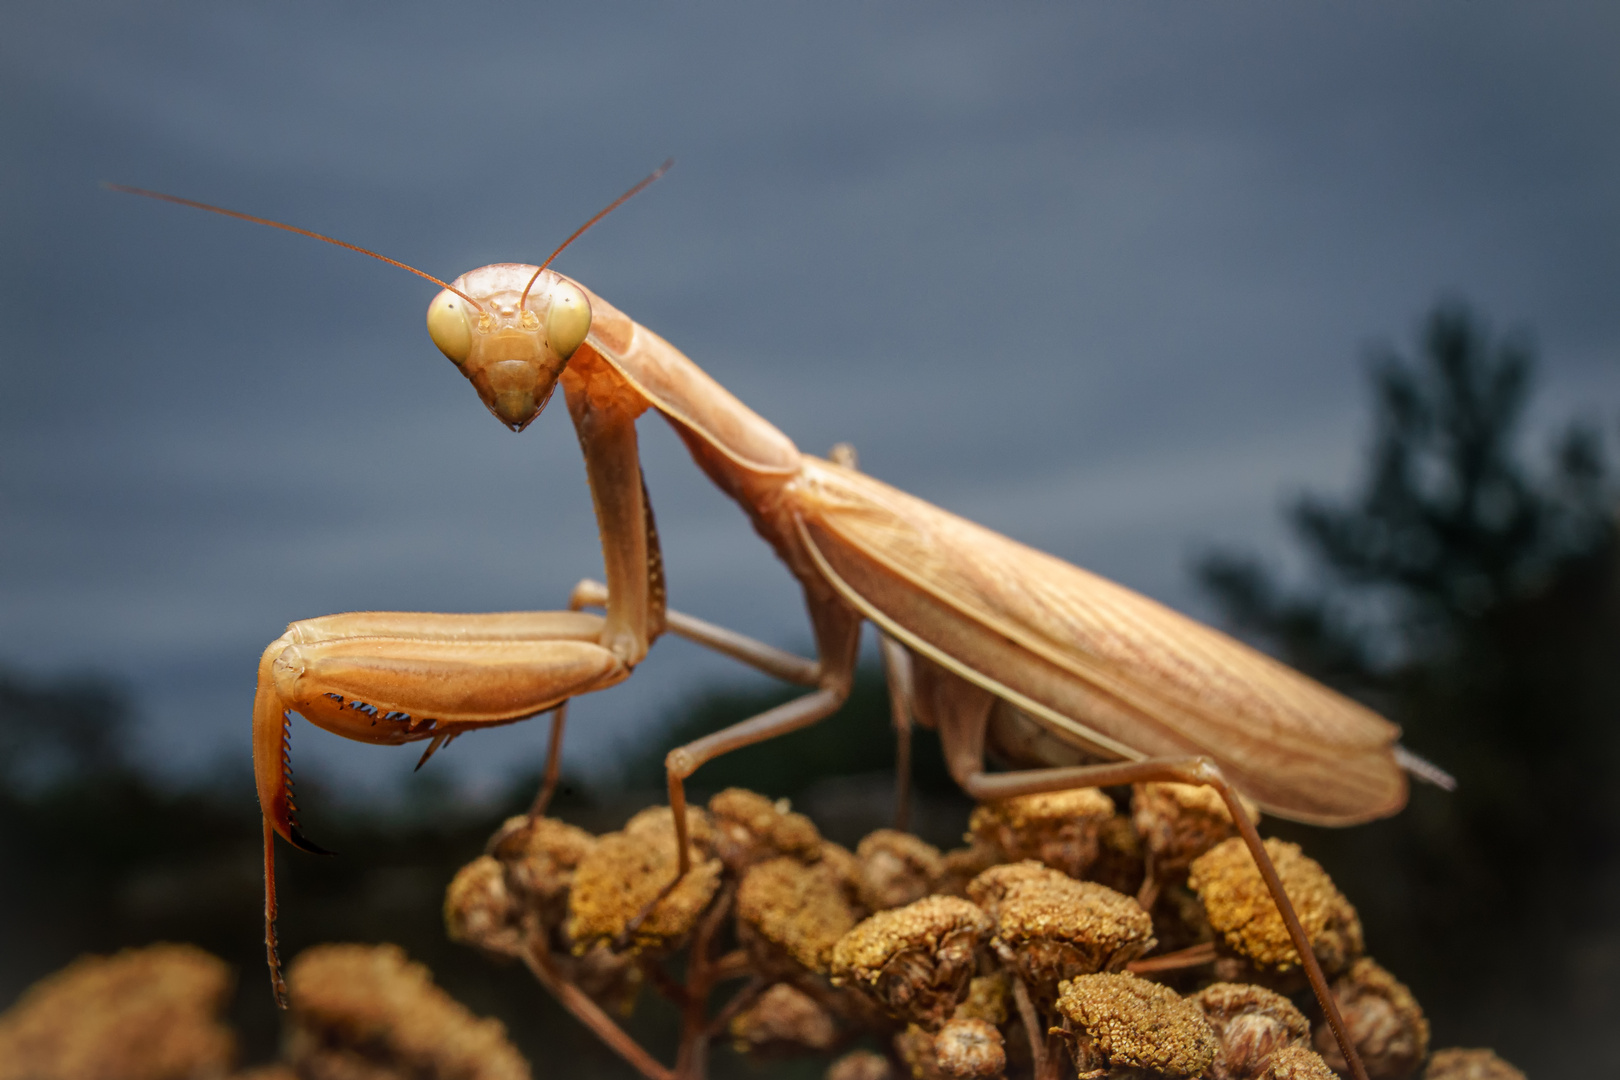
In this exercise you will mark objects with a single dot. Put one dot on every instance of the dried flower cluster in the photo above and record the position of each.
(359, 1012)
(1066, 938)
(364, 1012)
(143, 1014)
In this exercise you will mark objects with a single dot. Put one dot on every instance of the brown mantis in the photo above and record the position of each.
(1079, 680)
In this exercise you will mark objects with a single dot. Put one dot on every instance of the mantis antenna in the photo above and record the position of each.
(292, 229)
(612, 206)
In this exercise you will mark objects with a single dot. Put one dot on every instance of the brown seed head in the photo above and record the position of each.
(661, 819)
(843, 865)
(360, 1009)
(961, 865)
(479, 911)
(623, 874)
(142, 1014)
(1384, 1021)
(1120, 861)
(1113, 1021)
(1058, 828)
(1179, 822)
(986, 1000)
(1458, 1063)
(990, 888)
(915, 1049)
(916, 961)
(896, 868)
(1252, 1023)
(1055, 929)
(1246, 921)
(969, 1048)
(784, 1020)
(540, 856)
(785, 908)
(750, 828)
(1298, 1063)
(860, 1065)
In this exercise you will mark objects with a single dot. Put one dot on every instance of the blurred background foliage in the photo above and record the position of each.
(1469, 589)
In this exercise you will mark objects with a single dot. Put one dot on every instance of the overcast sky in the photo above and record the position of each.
(1099, 275)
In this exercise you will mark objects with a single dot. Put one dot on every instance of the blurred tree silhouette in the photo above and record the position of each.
(64, 731)
(1476, 601)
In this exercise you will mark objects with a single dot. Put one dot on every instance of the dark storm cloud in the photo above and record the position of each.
(1097, 275)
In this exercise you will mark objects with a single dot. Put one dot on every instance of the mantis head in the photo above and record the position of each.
(511, 330)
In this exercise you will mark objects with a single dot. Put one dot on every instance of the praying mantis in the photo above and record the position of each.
(1074, 679)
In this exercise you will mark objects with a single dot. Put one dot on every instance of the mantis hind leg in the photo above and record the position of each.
(961, 711)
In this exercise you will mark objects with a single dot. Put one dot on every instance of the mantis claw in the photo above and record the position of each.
(438, 741)
(303, 843)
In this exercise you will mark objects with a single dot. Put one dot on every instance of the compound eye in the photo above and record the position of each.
(449, 326)
(569, 319)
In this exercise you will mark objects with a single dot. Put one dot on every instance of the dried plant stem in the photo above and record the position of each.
(742, 999)
(733, 965)
(691, 1060)
(1191, 956)
(666, 985)
(1035, 1030)
(1148, 894)
(538, 961)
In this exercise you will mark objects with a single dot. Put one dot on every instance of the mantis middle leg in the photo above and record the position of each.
(838, 633)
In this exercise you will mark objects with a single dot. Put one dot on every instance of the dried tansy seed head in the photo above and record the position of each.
(788, 909)
(961, 865)
(915, 1049)
(843, 865)
(1058, 828)
(783, 1020)
(1179, 822)
(1055, 929)
(1252, 1024)
(1458, 1063)
(660, 820)
(969, 1048)
(362, 1010)
(896, 868)
(916, 961)
(1120, 864)
(1297, 1063)
(990, 888)
(142, 1014)
(860, 1065)
(1383, 1019)
(624, 873)
(986, 1000)
(750, 828)
(1118, 1021)
(539, 856)
(1247, 922)
(479, 911)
